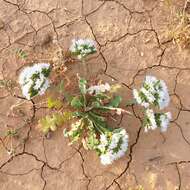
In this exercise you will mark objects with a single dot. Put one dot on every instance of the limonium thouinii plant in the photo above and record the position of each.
(91, 125)
(154, 93)
(34, 80)
(82, 48)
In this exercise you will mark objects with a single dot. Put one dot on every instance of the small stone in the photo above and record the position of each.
(147, 168)
(147, 41)
(44, 40)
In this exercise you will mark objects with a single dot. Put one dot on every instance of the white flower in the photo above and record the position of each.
(74, 132)
(25, 89)
(44, 87)
(164, 97)
(103, 139)
(99, 88)
(104, 143)
(150, 80)
(139, 100)
(106, 159)
(150, 120)
(33, 80)
(150, 97)
(153, 92)
(113, 147)
(136, 96)
(82, 47)
(154, 120)
(164, 120)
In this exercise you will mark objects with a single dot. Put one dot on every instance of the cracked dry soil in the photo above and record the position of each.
(129, 35)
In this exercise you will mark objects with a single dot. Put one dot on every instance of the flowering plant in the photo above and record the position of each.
(92, 106)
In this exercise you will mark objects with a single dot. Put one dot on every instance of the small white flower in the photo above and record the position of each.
(136, 96)
(99, 88)
(150, 79)
(164, 97)
(104, 143)
(151, 121)
(107, 87)
(165, 119)
(139, 100)
(150, 97)
(44, 87)
(103, 139)
(82, 47)
(106, 159)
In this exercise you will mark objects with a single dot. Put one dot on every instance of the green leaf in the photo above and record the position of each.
(46, 72)
(77, 102)
(96, 104)
(54, 103)
(99, 122)
(82, 86)
(96, 116)
(115, 102)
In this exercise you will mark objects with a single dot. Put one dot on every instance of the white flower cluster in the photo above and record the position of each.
(97, 89)
(154, 120)
(82, 47)
(113, 147)
(34, 79)
(153, 92)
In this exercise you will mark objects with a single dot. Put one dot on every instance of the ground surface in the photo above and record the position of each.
(129, 35)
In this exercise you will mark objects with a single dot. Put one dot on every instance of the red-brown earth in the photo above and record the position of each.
(131, 43)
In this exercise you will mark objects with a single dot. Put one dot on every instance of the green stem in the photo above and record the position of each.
(83, 69)
(100, 124)
(97, 128)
